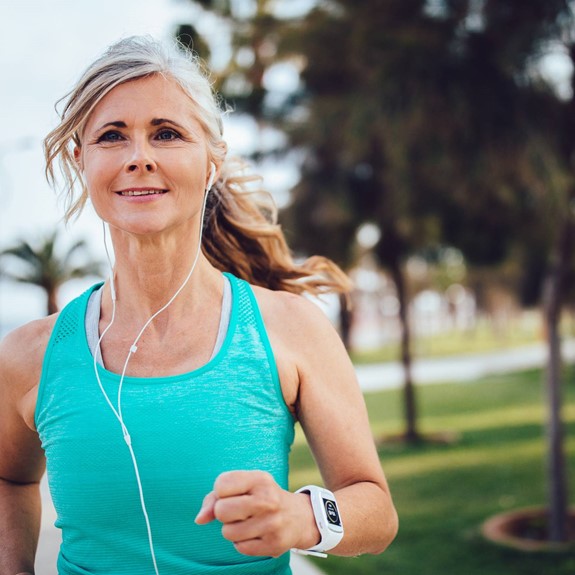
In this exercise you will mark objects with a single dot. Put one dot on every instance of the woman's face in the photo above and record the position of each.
(144, 157)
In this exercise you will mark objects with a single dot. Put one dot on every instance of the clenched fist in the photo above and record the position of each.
(258, 516)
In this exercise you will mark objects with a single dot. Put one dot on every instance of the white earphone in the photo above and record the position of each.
(212, 176)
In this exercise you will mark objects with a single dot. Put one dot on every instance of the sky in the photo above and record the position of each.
(44, 47)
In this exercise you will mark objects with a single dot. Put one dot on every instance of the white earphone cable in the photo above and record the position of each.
(118, 415)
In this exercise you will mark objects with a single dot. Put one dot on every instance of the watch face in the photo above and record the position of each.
(331, 512)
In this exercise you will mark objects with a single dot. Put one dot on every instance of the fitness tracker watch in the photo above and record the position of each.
(327, 519)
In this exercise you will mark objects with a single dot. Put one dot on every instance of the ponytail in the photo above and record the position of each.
(242, 236)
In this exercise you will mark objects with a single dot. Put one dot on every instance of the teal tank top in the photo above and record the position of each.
(186, 429)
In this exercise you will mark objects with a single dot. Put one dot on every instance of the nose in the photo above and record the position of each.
(141, 159)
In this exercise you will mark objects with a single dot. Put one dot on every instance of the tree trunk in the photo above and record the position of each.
(52, 303)
(411, 433)
(552, 302)
(345, 320)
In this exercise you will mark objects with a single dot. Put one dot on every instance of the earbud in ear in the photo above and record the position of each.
(212, 176)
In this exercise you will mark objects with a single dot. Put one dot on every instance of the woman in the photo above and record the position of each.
(164, 400)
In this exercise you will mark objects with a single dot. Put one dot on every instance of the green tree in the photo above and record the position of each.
(526, 141)
(254, 31)
(371, 78)
(42, 266)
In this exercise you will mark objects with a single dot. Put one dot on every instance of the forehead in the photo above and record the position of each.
(144, 99)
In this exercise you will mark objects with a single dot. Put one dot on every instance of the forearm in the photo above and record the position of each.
(20, 513)
(369, 520)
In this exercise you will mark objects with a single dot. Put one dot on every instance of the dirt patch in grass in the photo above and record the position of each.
(528, 530)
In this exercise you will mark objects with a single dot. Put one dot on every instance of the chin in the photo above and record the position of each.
(150, 226)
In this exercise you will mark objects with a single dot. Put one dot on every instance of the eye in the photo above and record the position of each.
(167, 134)
(111, 136)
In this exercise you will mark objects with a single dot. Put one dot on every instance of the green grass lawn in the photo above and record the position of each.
(443, 493)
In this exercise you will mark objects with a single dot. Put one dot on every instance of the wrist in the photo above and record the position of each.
(327, 520)
(309, 534)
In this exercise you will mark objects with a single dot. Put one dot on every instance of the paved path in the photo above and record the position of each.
(460, 368)
(371, 378)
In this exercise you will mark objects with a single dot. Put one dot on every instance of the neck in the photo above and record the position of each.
(149, 272)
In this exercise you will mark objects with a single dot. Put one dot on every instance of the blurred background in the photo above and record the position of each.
(427, 146)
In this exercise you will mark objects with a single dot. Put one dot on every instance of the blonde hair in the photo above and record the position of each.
(241, 233)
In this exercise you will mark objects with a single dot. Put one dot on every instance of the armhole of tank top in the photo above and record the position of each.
(50, 348)
(45, 368)
(268, 348)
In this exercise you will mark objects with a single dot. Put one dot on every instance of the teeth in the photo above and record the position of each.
(141, 192)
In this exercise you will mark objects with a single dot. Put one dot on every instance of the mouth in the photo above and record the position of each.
(141, 192)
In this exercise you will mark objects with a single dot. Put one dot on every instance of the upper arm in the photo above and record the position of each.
(21, 355)
(330, 405)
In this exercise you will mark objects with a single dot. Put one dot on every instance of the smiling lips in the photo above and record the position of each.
(149, 192)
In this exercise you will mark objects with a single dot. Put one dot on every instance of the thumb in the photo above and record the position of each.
(206, 513)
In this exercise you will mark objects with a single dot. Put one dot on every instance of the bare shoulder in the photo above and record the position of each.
(21, 355)
(300, 330)
(292, 314)
(302, 338)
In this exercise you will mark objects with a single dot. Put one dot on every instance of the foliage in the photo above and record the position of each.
(253, 51)
(42, 266)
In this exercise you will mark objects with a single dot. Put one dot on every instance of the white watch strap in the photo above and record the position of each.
(331, 533)
(309, 552)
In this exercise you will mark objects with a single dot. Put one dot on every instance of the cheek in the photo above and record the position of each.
(99, 171)
(96, 199)
(97, 183)
(185, 173)
(93, 185)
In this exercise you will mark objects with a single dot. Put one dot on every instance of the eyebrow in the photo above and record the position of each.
(154, 122)
(160, 121)
(114, 124)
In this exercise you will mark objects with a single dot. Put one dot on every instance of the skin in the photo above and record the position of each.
(144, 136)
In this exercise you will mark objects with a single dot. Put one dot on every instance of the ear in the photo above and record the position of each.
(78, 156)
(215, 163)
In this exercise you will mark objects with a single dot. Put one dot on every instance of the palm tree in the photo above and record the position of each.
(42, 266)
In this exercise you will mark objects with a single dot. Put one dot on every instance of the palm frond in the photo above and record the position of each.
(40, 264)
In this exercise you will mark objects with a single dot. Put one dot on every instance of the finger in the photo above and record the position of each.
(248, 547)
(258, 547)
(206, 513)
(239, 508)
(232, 483)
(242, 530)
(233, 509)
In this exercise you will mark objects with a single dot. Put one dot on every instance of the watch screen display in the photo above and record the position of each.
(331, 512)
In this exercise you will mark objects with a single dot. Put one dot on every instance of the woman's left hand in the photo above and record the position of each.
(258, 516)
